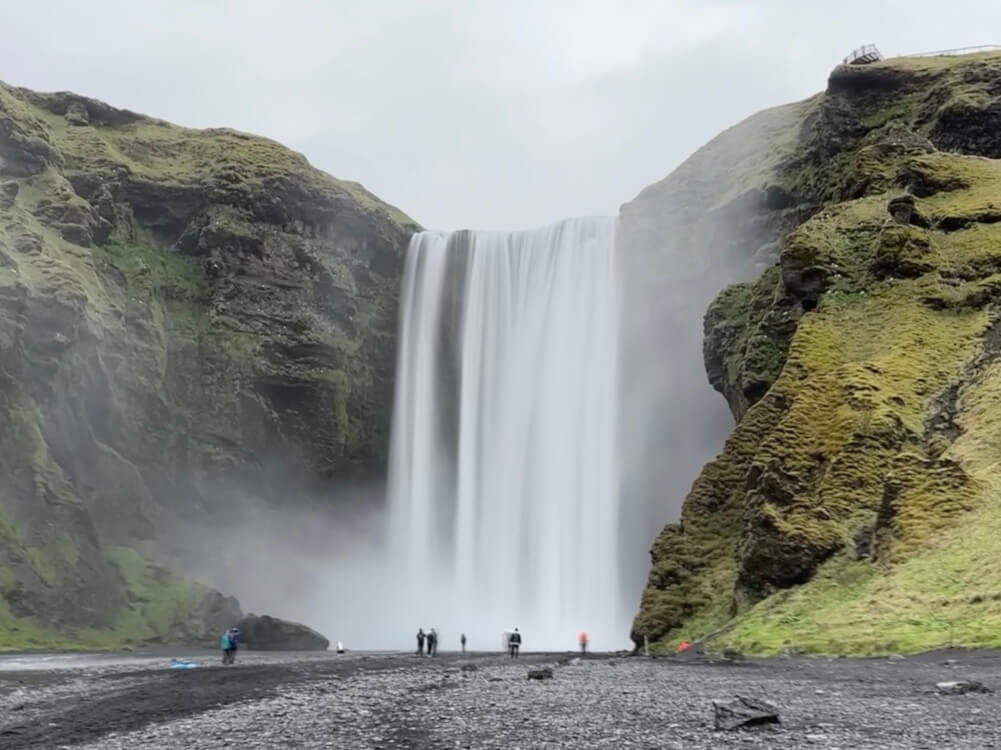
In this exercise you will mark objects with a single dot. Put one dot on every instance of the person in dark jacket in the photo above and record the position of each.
(432, 639)
(514, 643)
(462, 642)
(420, 641)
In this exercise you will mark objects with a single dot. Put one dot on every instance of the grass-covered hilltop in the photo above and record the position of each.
(856, 506)
(183, 314)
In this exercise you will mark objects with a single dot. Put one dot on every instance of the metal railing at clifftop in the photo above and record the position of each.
(959, 51)
(869, 53)
(864, 55)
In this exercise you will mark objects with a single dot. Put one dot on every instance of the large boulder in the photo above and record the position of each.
(264, 633)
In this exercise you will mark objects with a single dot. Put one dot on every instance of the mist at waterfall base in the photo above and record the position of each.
(515, 500)
(503, 480)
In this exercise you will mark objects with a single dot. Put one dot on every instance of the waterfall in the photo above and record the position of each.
(503, 480)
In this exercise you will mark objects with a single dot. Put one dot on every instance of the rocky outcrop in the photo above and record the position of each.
(184, 316)
(264, 633)
(861, 366)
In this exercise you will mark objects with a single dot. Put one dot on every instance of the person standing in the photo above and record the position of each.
(582, 639)
(225, 646)
(514, 643)
(434, 642)
(430, 641)
(230, 641)
(420, 641)
(462, 642)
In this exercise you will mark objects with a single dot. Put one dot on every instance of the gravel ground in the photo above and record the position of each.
(400, 701)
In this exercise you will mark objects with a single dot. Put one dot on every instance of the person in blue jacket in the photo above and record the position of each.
(229, 642)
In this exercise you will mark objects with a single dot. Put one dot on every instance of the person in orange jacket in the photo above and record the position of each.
(582, 640)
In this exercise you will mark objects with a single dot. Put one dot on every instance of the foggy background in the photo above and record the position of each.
(469, 113)
(466, 113)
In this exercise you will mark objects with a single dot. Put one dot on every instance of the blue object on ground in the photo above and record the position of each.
(179, 664)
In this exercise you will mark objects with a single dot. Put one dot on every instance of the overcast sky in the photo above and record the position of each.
(490, 114)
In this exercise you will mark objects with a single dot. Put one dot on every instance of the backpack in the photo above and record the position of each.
(224, 643)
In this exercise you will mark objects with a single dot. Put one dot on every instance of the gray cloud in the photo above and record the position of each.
(468, 112)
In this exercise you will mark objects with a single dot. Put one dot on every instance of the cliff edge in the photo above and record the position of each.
(855, 506)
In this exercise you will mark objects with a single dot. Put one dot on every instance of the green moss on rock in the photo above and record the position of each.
(179, 310)
(861, 450)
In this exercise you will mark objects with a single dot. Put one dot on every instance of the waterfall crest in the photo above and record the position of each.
(503, 478)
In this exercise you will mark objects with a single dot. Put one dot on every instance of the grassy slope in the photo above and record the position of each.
(869, 469)
(158, 608)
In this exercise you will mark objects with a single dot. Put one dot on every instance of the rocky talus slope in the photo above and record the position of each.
(182, 314)
(856, 504)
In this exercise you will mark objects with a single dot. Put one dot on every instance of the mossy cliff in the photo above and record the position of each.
(180, 311)
(856, 506)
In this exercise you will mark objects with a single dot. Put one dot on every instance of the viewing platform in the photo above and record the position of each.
(864, 55)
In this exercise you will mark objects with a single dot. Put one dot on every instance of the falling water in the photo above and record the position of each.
(503, 467)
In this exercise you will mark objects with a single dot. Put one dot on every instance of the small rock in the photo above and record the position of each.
(543, 673)
(743, 712)
(895, 657)
(961, 687)
(732, 654)
(469, 667)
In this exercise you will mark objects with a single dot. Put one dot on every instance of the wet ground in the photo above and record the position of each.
(485, 701)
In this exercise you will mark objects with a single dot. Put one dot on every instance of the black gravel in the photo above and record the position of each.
(401, 701)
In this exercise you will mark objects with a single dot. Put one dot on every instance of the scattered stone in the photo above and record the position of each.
(543, 673)
(961, 687)
(895, 657)
(732, 654)
(469, 667)
(743, 712)
(394, 701)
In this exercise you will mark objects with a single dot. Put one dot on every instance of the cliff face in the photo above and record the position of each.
(180, 311)
(716, 220)
(854, 507)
